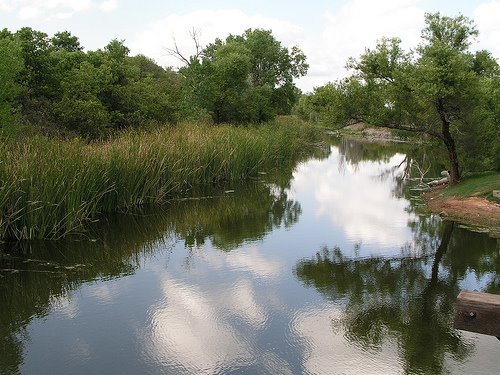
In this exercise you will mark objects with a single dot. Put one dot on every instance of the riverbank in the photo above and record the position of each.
(471, 201)
(50, 188)
(376, 133)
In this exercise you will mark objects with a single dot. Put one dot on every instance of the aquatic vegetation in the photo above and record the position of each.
(50, 188)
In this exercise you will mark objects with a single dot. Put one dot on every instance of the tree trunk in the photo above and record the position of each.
(450, 144)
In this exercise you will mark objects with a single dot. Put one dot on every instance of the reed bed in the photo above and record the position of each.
(51, 188)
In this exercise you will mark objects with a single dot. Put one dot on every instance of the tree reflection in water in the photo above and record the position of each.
(407, 299)
(35, 276)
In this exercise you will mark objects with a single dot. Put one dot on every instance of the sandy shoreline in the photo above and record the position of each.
(476, 211)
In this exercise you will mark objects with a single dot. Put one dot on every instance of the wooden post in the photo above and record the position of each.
(478, 312)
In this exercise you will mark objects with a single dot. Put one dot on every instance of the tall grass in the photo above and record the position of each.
(50, 188)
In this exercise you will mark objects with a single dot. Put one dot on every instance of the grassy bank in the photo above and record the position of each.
(476, 185)
(50, 188)
(470, 201)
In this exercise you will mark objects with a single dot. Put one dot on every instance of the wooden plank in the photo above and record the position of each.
(478, 312)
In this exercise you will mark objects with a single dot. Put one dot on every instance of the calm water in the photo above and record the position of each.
(331, 268)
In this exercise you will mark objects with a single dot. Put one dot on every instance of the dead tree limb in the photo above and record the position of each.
(176, 52)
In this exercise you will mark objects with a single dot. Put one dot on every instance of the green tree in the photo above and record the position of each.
(478, 140)
(165, 93)
(59, 88)
(447, 78)
(35, 46)
(80, 108)
(37, 79)
(246, 78)
(64, 40)
(439, 90)
(11, 64)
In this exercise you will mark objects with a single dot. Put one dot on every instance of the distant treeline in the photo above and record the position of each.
(51, 85)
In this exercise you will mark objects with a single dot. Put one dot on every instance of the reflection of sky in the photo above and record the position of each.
(326, 350)
(202, 328)
(185, 330)
(206, 311)
(355, 200)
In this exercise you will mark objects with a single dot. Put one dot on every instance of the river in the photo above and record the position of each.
(333, 267)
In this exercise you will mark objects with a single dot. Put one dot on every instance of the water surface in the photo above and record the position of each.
(332, 268)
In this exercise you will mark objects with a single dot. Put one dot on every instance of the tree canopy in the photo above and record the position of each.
(246, 78)
(53, 85)
(440, 89)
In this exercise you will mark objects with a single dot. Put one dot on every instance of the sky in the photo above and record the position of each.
(329, 32)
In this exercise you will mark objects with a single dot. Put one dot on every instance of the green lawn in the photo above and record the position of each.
(481, 184)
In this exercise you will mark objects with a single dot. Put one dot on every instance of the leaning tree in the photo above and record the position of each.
(435, 89)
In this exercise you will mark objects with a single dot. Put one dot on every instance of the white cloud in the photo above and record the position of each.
(247, 259)
(6, 5)
(54, 9)
(109, 5)
(243, 302)
(104, 293)
(29, 12)
(211, 24)
(358, 24)
(191, 328)
(487, 17)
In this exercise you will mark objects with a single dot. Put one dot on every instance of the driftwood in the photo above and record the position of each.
(478, 312)
(441, 181)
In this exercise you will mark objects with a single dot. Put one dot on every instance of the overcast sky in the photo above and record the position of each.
(327, 31)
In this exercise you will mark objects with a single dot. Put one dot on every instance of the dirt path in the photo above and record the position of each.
(474, 210)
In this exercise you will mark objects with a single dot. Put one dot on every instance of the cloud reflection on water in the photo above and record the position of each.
(356, 200)
(197, 327)
(326, 350)
(251, 260)
(187, 329)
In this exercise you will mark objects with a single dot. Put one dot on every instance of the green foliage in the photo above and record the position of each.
(64, 40)
(50, 188)
(35, 47)
(440, 89)
(479, 184)
(11, 64)
(338, 104)
(83, 116)
(452, 33)
(246, 78)
(60, 89)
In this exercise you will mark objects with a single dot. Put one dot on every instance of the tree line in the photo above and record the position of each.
(440, 88)
(52, 85)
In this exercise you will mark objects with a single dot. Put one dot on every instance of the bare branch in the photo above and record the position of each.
(195, 35)
(175, 51)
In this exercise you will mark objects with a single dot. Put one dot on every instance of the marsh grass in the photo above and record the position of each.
(50, 188)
